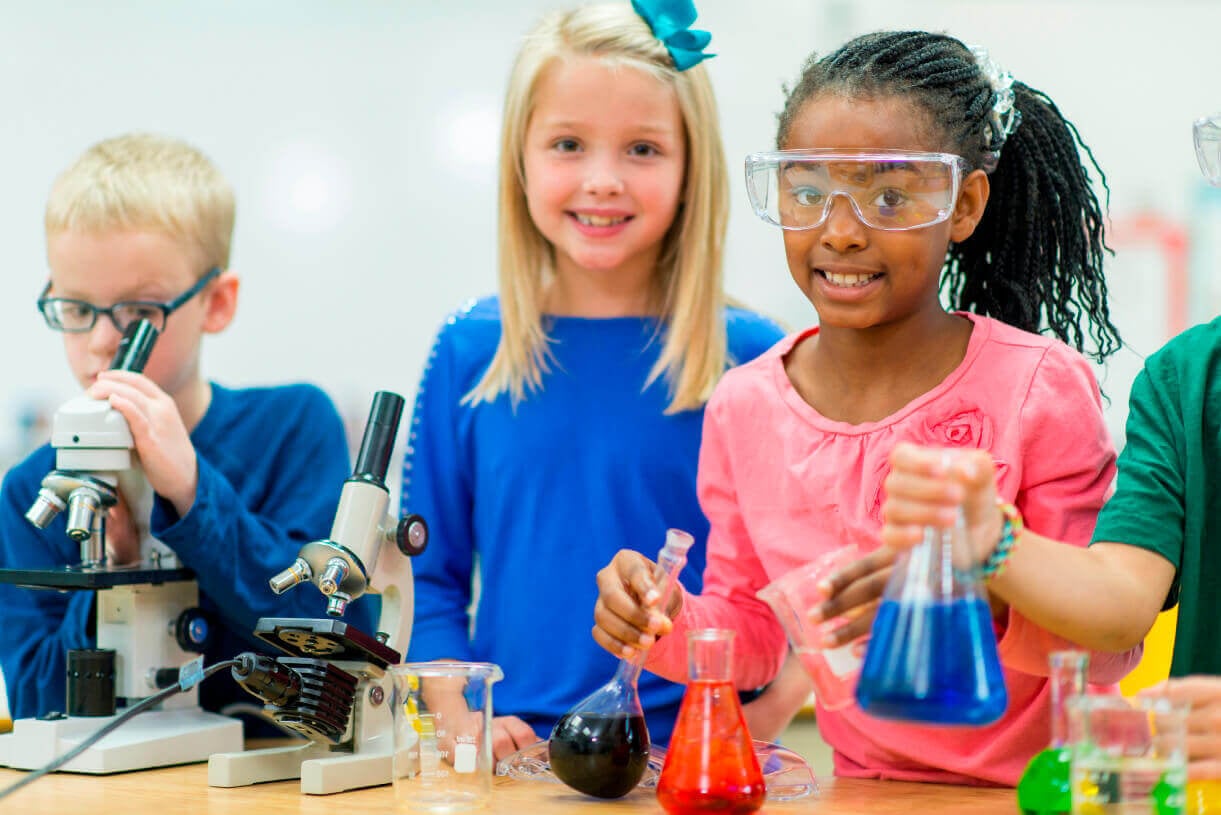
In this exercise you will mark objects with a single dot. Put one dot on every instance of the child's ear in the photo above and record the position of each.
(972, 198)
(221, 302)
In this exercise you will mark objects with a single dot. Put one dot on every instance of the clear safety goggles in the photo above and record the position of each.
(887, 189)
(1207, 132)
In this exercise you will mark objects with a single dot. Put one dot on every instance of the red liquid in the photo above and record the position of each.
(710, 764)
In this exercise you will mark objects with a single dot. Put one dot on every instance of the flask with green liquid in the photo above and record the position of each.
(1045, 788)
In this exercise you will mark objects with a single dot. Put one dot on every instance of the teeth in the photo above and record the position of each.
(599, 220)
(849, 280)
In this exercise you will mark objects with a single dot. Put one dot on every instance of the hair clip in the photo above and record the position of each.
(670, 21)
(1005, 117)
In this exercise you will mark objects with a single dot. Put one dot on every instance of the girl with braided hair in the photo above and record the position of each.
(910, 168)
(1155, 543)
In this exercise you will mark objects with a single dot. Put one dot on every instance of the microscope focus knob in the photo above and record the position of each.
(194, 630)
(412, 535)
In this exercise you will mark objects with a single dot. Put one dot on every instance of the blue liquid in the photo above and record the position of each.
(933, 663)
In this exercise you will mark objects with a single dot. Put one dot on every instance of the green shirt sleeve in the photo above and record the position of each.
(1147, 509)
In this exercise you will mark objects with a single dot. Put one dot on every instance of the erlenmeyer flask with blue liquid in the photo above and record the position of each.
(931, 656)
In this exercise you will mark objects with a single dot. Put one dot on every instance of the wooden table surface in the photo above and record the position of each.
(185, 790)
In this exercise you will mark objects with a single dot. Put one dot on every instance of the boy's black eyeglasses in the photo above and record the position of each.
(78, 316)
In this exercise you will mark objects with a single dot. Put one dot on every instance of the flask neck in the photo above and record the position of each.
(710, 655)
(628, 672)
(940, 568)
(1067, 679)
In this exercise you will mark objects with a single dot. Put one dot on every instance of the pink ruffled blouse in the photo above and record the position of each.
(781, 485)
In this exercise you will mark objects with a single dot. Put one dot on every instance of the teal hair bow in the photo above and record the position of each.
(671, 21)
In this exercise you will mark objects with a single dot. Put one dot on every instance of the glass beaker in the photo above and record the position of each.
(1045, 787)
(793, 597)
(442, 728)
(1128, 755)
(710, 765)
(931, 655)
(601, 746)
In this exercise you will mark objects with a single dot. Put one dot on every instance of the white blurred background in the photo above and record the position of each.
(361, 137)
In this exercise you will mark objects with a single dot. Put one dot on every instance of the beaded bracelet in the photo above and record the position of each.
(1011, 528)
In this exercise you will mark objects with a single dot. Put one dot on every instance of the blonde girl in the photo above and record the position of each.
(560, 420)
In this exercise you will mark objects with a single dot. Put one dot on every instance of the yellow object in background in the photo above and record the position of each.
(6, 721)
(1203, 798)
(1154, 665)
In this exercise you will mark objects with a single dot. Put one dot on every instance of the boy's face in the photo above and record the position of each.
(104, 268)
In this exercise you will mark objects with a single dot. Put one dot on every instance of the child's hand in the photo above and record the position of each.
(162, 440)
(510, 734)
(122, 535)
(1203, 723)
(854, 592)
(626, 617)
(926, 486)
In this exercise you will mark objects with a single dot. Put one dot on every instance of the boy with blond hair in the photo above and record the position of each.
(140, 227)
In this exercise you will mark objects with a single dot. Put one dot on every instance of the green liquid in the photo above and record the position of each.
(1045, 788)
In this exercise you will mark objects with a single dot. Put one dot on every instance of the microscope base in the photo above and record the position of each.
(322, 771)
(155, 738)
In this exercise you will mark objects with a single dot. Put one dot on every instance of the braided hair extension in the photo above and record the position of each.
(1036, 256)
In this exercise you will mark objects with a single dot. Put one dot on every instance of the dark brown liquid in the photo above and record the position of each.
(600, 755)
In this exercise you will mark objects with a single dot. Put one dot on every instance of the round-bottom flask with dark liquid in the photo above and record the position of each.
(601, 746)
(599, 754)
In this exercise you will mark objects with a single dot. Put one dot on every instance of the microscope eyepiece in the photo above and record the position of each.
(378, 443)
(135, 347)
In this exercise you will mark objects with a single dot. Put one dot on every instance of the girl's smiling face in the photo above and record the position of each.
(856, 276)
(604, 158)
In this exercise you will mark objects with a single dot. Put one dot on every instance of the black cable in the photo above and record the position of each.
(110, 727)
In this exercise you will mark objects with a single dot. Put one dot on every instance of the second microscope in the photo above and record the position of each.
(333, 687)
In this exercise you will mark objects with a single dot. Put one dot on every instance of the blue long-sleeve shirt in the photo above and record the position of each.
(272, 462)
(539, 499)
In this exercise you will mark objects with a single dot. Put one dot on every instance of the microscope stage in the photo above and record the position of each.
(70, 578)
(325, 639)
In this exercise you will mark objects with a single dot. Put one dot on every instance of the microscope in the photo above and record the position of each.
(333, 686)
(148, 620)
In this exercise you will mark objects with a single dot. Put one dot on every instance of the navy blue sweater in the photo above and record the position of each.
(272, 462)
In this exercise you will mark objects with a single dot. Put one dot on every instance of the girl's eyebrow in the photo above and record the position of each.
(572, 124)
(800, 166)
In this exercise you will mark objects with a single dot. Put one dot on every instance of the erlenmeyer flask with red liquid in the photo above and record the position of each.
(710, 764)
(601, 746)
